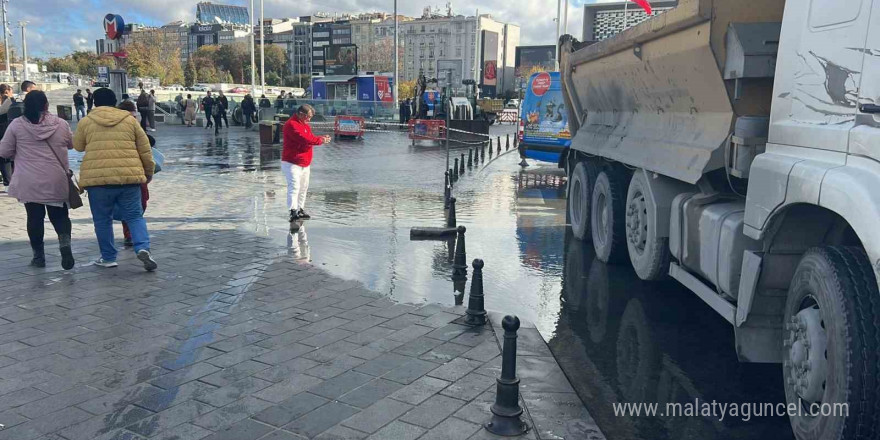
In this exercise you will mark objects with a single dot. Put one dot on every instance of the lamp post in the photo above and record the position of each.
(6, 40)
(23, 25)
(253, 63)
(262, 51)
(558, 22)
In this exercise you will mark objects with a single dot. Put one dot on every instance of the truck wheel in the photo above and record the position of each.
(831, 353)
(648, 253)
(580, 188)
(607, 216)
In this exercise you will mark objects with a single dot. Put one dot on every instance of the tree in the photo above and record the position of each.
(66, 64)
(273, 79)
(174, 72)
(190, 75)
(406, 89)
(378, 56)
(235, 59)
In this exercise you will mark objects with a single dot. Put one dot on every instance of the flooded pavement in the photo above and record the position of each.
(617, 339)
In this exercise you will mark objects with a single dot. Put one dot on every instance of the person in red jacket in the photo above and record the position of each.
(296, 159)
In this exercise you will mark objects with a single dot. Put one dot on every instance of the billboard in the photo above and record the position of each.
(534, 59)
(455, 66)
(490, 58)
(340, 59)
(383, 89)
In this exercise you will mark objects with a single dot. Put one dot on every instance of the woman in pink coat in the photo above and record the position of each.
(38, 142)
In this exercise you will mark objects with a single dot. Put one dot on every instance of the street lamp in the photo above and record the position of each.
(397, 60)
(23, 25)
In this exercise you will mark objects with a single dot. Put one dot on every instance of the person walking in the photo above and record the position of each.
(6, 101)
(117, 160)
(145, 197)
(224, 105)
(189, 110)
(142, 103)
(208, 107)
(90, 101)
(151, 110)
(79, 103)
(38, 142)
(296, 159)
(248, 109)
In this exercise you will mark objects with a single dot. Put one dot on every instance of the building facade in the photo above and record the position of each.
(604, 20)
(459, 47)
(207, 12)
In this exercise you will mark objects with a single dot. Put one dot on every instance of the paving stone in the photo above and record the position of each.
(369, 393)
(222, 417)
(284, 370)
(237, 372)
(57, 402)
(282, 435)
(398, 430)
(21, 397)
(283, 339)
(383, 364)
(486, 351)
(103, 424)
(169, 418)
(238, 356)
(328, 337)
(321, 419)
(377, 415)
(432, 411)
(410, 371)
(455, 369)
(340, 432)
(283, 354)
(452, 429)
(167, 398)
(120, 398)
(409, 333)
(176, 361)
(291, 386)
(417, 347)
(290, 409)
(420, 390)
(184, 431)
(184, 375)
(366, 353)
(448, 332)
(335, 367)
(339, 385)
(468, 387)
(234, 391)
(245, 429)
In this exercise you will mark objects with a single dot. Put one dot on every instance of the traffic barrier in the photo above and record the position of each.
(352, 126)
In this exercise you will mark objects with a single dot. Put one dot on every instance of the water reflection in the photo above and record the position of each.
(623, 340)
(298, 242)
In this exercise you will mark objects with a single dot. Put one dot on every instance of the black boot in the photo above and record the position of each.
(294, 215)
(67, 260)
(39, 259)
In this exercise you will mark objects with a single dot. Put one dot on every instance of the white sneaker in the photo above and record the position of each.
(152, 129)
(145, 257)
(102, 263)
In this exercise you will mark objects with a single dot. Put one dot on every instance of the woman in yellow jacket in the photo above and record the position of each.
(118, 159)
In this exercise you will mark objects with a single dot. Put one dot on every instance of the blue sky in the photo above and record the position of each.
(61, 26)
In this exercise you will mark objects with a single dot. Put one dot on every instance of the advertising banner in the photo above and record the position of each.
(383, 89)
(490, 58)
(340, 59)
(366, 88)
(545, 120)
(534, 59)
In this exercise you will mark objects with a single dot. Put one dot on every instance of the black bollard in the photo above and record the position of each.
(499, 147)
(490, 148)
(506, 411)
(483, 151)
(451, 177)
(459, 266)
(447, 191)
(470, 157)
(476, 311)
(450, 215)
(507, 143)
(455, 169)
(461, 171)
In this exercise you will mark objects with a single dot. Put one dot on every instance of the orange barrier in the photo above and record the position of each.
(427, 129)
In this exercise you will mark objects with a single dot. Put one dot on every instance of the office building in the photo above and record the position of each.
(604, 20)
(461, 47)
(207, 12)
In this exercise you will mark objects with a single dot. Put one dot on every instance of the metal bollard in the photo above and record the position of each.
(459, 266)
(447, 191)
(506, 411)
(455, 169)
(461, 171)
(507, 143)
(483, 151)
(490, 148)
(470, 157)
(450, 215)
(451, 177)
(476, 311)
(499, 146)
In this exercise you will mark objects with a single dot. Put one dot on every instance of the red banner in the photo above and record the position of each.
(383, 89)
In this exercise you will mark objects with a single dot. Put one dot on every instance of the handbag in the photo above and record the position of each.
(73, 191)
(158, 159)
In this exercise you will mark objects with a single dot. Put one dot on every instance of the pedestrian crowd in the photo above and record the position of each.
(117, 165)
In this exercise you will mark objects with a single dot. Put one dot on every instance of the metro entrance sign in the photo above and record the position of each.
(114, 26)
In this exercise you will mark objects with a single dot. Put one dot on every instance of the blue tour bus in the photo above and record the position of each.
(543, 125)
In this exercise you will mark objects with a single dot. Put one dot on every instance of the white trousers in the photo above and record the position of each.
(297, 184)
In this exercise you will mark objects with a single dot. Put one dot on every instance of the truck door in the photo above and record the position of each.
(819, 71)
(865, 139)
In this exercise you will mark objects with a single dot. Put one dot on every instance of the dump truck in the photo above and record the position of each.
(734, 146)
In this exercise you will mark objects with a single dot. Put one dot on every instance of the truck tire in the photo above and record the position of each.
(580, 188)
(607, 216)
(648, 253)
(832, 324)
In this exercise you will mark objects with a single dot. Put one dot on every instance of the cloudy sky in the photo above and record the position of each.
(57, 27)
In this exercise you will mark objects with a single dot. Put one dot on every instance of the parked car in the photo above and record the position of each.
(201, 88)
(238, 90)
